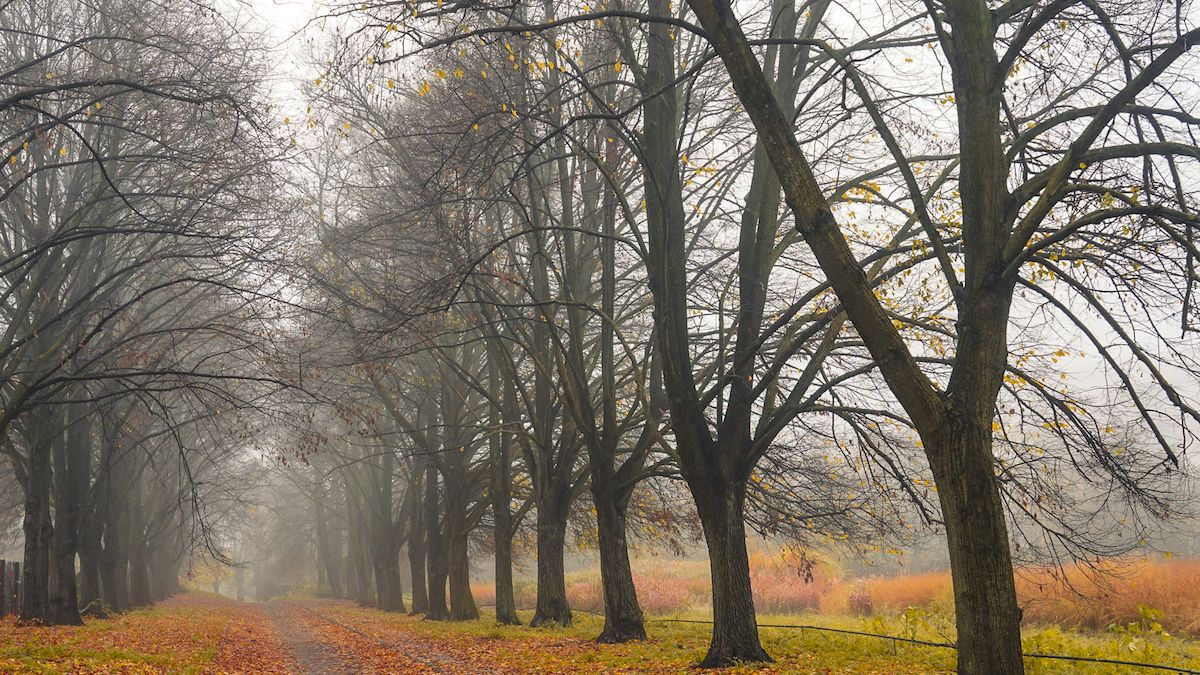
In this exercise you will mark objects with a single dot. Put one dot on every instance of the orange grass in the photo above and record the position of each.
(1076, 597)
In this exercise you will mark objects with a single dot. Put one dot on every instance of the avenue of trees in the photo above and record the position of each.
(514, 279)
(134, 206)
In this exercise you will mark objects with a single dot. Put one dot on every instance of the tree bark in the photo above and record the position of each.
(552, 606)
(735, 627)
(462, 602)
(328, 560)
(435, 550)
(986, 613)
(623, 619)
(502, 531)
(90, 600)
(38, 530)
(416, 546)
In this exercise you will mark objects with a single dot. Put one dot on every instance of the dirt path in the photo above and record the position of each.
(323, 645)
(313, 656)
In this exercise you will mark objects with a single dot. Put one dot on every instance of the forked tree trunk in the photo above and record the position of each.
(735, 627)
(552, 606)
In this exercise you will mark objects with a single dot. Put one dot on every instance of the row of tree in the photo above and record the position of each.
(839, 271)
(135, 180)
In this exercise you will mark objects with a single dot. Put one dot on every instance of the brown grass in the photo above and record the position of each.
(1076, 597)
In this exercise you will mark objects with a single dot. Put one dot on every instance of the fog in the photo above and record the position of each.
(517, 311)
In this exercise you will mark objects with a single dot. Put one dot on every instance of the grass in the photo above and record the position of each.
(1131, 609)
(677, 647)
(1078, 597)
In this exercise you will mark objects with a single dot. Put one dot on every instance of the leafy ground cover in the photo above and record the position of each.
(200, 633)
(190, 633)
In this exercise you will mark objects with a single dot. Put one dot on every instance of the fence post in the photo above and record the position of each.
(3, 586)
(15, 587)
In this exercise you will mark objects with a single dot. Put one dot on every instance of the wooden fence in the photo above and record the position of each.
(10, 587)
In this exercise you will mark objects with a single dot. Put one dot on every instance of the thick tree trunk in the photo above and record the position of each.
(90, 601)
(622, 614)
(329, 556)
(462, 603)
(359, 562)
(416, 544)
(499, 490)
(986, 613)
(139, 577)
(38, 530)
(64, 595)
(735, 627)
(416, 570)
(70, 452)
(552, 606)
(435, 551)
(114, 575)
(389, 591)
(139, 573)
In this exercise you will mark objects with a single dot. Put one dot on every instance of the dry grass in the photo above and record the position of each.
(1078, 597)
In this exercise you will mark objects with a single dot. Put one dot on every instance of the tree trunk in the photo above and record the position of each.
(328, 555)
(435, 550)
(506, 604)
(114, 571)
(358, 560)
(499, 489)
(986, 613)
(64, 595)
(139, 577)
(139, 574)
(622, 614)
(38, 530)
(462, 603)
(735, 627)
(416, 547)
(552, 606)
(90, 601)
(388, 588)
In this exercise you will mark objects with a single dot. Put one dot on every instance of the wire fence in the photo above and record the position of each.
(897, 639)
(949, 645)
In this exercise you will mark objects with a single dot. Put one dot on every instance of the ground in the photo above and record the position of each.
(200, 633)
